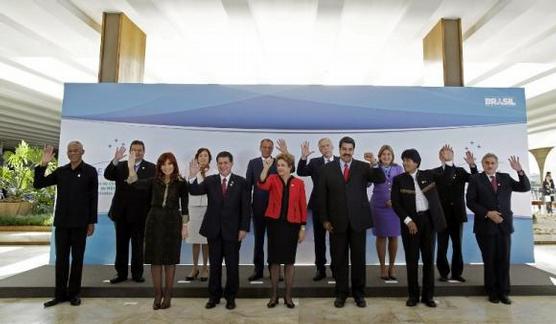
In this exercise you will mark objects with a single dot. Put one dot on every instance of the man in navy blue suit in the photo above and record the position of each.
(225, 225)
(489, 196)
(313, 169)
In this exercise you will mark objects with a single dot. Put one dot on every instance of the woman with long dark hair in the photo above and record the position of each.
(163, 228)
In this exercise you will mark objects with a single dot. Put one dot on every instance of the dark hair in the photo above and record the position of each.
(266, 140)
(201, 150)
(160, 162)
(137, 142)
(225, 154)
(346, 140)
(413, 155)
(288, 158)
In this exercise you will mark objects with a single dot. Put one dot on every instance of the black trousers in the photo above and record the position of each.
(319, 233)
(69, 240)
(422, 242)
(495, 250)
(454, 231)
(229, 251)
(343, 246)
(259, 229)
(127, 231)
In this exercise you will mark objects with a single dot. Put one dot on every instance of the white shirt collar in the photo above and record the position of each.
(227, 177)
(343, 163)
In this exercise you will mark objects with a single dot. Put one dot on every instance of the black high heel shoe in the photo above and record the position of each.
(156, 303)
(191, 278)
(289, 304)
(272, 302)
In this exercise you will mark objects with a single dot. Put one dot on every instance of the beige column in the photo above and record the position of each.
(540, 155)
(122, 49)
(443, 54)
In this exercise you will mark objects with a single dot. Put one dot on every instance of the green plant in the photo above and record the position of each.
(28, 220)
(16, 176)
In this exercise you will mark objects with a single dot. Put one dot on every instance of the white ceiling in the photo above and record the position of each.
(44, 43)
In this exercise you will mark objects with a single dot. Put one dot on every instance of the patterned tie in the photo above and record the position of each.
(346, 172)
(224, 187)
(493, 183)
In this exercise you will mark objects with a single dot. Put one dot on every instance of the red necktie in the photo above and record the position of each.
(224, 187)
(346, 172)
(494, 184)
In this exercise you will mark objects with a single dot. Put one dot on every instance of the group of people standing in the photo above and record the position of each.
(154, 207)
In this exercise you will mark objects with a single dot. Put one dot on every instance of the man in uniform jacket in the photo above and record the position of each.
(346, 215)
(128, 211)
(450, 181)
(74, 218)
(415, 200)
(489, 196)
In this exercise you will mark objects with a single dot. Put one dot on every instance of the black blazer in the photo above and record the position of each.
(129, 202)
(481, 198)
(313, 170)
(259, 199)
(403, 197)
(450, 184)
(344, 204)
(225, 216)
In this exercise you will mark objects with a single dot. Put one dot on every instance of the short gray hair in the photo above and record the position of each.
(489, 155)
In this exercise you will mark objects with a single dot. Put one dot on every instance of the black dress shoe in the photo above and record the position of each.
(53, 302)
(319, 275)
(272, 302)
(493, 299)
(360, 302)
(117, 279)
(255, 276)
(75, 301)
(460, 279)
(339, 302)
(443, 279)
(429, 303)
(212, 303)
(139, 279)
(230, 303)
(505, 300)
(411, 302)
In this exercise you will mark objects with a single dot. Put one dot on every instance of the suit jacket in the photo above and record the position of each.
(345, 204)
(450, 184)
(403, 197)
(481, 198)
(225, 215)
(129, 202)
(259, 199)
(297, 202)
(313, 170)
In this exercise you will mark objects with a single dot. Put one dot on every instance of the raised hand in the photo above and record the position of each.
(514, 163)
(447, 153)
(267, 163)
(47, 155)
(282, 146)
(193, 168)
(305, 150)
(120, 153)
(131, 161)
(469, 158)
(369, 157)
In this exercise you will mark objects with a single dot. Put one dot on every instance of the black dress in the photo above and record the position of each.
(282, 235)
(164, 220)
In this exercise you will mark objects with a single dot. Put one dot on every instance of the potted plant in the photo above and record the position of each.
(16, 177)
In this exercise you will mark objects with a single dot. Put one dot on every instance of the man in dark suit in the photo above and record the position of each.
(74, 218)
(450, 181)
(128, 211)
(313, 170)
(225, 225)
(415, 200)
(259, 202)
(346, 215)
(489, 196)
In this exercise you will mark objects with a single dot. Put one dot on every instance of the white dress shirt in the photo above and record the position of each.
(421, 202)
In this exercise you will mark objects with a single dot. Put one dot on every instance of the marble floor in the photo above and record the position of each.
(529, 309)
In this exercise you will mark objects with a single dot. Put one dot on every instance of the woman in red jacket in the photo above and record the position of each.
(286, 215)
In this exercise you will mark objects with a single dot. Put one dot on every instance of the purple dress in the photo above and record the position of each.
(385, 220)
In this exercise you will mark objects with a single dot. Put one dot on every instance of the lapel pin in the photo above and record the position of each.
(79, 175)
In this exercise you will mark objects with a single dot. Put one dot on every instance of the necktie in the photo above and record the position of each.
(224, 187)
(493, 183)
(346, 172)
(136, 167)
